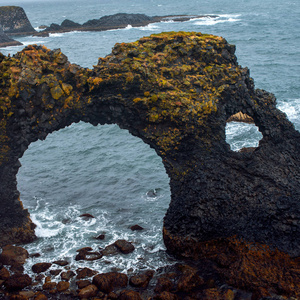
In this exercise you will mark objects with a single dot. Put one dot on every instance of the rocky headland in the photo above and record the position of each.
(116, 21)
(236, 211)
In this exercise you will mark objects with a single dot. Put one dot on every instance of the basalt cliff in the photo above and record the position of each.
(176, 92)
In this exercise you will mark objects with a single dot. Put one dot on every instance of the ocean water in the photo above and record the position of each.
(106, 172)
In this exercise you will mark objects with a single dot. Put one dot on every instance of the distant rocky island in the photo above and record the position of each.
(13, 21)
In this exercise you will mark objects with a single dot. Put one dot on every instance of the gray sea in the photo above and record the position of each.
(106, 172)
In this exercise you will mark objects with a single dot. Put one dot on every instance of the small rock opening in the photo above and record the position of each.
(241, 133)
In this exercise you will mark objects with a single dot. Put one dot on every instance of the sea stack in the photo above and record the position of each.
(13, 20)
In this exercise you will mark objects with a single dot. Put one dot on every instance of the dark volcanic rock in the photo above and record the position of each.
(12, 255)
(124, 246)
(175, 91)
(136, 227)
(141, 280)
(130, 295)
(119, 20)
(6, 41)
(41, 267)
(107, 282)
(17, 282)
(14, 20)
(69, 24)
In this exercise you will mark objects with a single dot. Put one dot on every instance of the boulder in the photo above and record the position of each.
(136, 227)
(4, 273)
(107, 282)
(41, 267)
(85, 272)
(141, 280)
(12, 255)
(17, 282)
(130, 295)
(67, 275)
(82, 283)
(61, 263)
(88, 291)
(124, 246)
(62, 286)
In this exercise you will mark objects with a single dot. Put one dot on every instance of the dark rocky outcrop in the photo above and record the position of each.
(116, 21)
(175, 91)
(6, 41)
(13, 20)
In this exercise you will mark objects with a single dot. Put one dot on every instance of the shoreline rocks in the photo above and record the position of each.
(116, 21)
(206, 279)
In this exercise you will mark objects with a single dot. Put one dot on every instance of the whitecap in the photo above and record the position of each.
(209, 21)
(55, 34)
(128, 27)
(149, 27)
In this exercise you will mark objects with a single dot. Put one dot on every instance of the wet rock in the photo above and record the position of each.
(141, 280)
(100, 237)
(41, 267)
(40, 296)
(163, 284)
(88, 291)
(39, 277)
(82, 283)
(4, 273)
(17, 268)
(124, 246)
(17, 282)
(86, 217)
(62, 286)
(61, 263)
(55, 272)
(110, 250)
(107, 282)
(87, 254)
(136, 227)
(130, 295)
(166, 296)
(34, 255)
(27, 294)
(49, 285)
(13, 255)
(189, 280)
(85, 272)
(67, 275)
(112, 296)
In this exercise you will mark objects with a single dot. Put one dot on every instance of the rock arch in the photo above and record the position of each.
(175, 91)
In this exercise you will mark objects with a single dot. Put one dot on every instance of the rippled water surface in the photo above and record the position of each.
(106, 172)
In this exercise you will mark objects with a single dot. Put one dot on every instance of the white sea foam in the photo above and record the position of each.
(209, 21)
(149, 27)
(55, 34)
(291, 110)
(128, 27)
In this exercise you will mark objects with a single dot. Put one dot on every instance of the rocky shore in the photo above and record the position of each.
(205, 279)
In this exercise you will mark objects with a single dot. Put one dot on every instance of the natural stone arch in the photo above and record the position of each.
(175, 91)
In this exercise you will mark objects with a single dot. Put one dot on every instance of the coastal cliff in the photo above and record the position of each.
(176, 92)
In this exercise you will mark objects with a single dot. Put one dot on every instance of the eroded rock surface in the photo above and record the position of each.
(175, 91)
